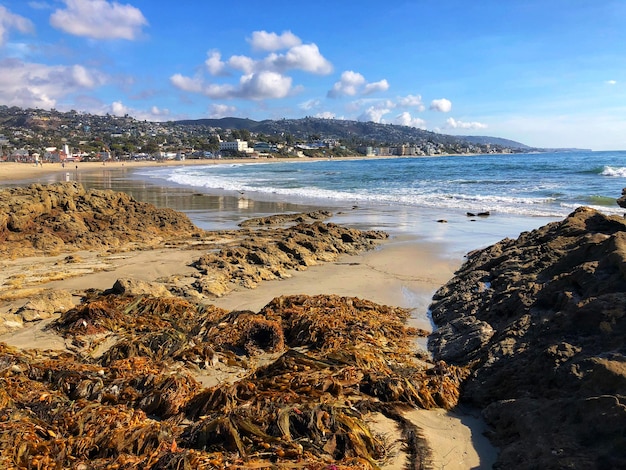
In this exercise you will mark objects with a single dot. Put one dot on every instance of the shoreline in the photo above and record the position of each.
(381, 275)
(14, 171)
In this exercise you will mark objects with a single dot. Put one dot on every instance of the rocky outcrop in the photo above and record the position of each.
(270, 254)
(46, 219)
(278, 219)
(40, 307)
(542, 322)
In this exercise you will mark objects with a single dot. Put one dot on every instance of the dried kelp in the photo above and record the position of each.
(316, 366)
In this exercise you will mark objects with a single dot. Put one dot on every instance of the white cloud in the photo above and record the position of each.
(31, 85)
(305, 57)
(310, 104)
(352, 83)
(117, 108)
(443, 105)
(411, 101)
(348, 84)
(99, 19)
(156, 111)
(214, 63)
(242, 63)
(374, 114)
(611, 82)
(9, 21)
(260, 79)
(255, 86)
(83, 77)
(405, 119)
(375, 87)
(264, 85)
(193, 85)
(264, 41)
(454, 124)
(325, 115)
(217, 111)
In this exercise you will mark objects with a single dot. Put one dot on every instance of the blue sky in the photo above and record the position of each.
(548, 73)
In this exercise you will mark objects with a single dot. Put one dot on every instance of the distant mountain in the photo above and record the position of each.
(483, 140)
(380, 134)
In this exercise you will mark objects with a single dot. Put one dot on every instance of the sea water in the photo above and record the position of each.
(540, 184)
(519, 191)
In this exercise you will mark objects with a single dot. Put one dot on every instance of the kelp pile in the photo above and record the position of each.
(127, 395)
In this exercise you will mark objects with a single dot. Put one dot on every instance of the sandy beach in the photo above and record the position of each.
(402, 272)
(12, 171)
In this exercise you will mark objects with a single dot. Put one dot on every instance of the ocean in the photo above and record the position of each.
(428, 198)
(547, 184)
(407, 195)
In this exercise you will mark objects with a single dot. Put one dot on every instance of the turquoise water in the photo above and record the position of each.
(544, 185)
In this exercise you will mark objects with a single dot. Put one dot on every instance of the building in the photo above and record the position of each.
(236, 146)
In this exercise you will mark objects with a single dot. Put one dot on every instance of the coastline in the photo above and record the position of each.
(382, 276)
(13, 171)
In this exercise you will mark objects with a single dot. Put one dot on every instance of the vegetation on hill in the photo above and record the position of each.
(26, 132)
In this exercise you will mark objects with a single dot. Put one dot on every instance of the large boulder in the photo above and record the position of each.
(542, 322)
(48, 219)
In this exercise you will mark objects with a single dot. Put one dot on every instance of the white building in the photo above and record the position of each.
(236, 146)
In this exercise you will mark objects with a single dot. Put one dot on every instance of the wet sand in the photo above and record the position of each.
(405, 271)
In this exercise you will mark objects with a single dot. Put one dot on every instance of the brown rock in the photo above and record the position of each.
(40, 219)
(128, 286)
(551, 377)
(45, 306)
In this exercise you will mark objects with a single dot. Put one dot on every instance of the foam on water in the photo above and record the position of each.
(546, 185)
(611, 171)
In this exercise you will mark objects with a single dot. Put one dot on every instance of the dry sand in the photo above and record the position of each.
(11, 171)
(402, 273)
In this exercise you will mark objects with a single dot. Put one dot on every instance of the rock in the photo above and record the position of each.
(278, 219)
(45, 219)
(541, 320)
(622, 200)
(45, 306)
(128, 286)
(460, 338)
(270, 253)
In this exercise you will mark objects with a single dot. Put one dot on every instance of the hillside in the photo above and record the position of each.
(348, 130)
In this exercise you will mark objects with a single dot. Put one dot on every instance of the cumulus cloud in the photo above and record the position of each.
(374, 114)
(352, 83)
(305, 57)
(9, 21)
(443, 105)
(411, 101)
(117, 108)
(405, 119)
(264, 85)
(243, 63)
(611, 82)
(99, 19)
(217, 111)
(255, 86)
(214, 63)
(325, 115)
(454, 124)
(375, 87)
(193, 85)
(265, 78)
(348, 85)
(31, 85)
(264, 41)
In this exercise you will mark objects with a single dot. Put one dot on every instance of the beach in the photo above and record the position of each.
(403, 271)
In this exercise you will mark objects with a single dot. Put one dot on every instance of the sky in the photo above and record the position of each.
(547, 73)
